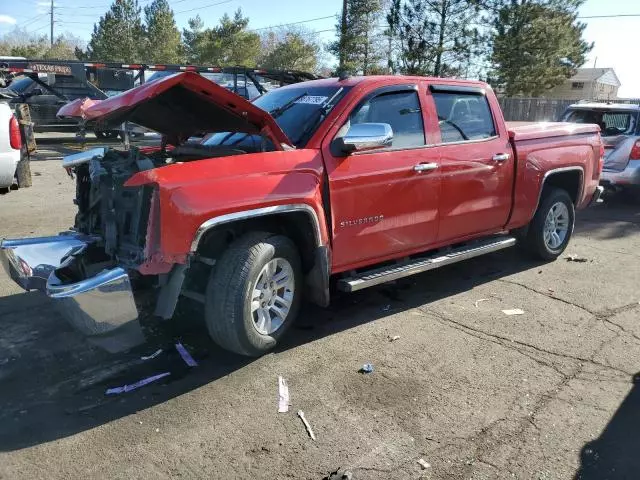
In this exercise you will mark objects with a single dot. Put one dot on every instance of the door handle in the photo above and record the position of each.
(501, 157)
(425, 167)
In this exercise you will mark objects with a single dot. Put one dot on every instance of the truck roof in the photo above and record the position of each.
(388, 79)
(605, 106)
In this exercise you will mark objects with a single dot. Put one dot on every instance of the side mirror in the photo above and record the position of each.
(366, 136)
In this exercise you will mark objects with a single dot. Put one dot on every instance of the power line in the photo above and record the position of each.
(203, 6)
(292, 23)
(620, 15)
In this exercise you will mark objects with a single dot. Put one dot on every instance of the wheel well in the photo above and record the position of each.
(569, 181)
(298, 226)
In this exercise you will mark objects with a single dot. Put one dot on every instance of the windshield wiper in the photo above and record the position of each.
(276, 112)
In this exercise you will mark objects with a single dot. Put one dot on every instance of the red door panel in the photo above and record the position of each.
(384, 203)
(381, 206)
(476, 189)
(476, 162)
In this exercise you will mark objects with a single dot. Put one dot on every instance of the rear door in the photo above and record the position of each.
(384, 202)
(476, 162)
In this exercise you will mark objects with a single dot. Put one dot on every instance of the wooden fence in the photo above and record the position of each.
(538, 109)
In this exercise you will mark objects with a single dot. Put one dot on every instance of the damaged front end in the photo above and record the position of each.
(90, 272)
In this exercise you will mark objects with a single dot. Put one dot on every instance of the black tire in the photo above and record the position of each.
(229, 292)
(535, 241)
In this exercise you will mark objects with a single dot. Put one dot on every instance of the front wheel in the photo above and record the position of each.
(552, 225)
(254, 293)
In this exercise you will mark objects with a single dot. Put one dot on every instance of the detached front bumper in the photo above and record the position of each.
(96, 306)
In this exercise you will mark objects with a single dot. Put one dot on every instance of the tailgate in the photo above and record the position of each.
(617, 150)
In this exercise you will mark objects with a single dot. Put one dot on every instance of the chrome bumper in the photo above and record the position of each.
(95, 306)
(629, 177)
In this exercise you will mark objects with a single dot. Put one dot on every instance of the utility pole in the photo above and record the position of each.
(343, 37)
(52, 23)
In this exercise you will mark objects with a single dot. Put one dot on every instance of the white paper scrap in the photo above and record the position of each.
(513, 311)
(153, 355)
(138, 384)
(312, 99)
(283, 395)
(186, 356)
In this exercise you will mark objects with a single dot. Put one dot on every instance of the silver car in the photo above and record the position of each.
(620, 132)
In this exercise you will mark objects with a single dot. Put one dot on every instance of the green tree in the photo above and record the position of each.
(163, 37)
(290, 49)
(119, 36)
(359, 45)
(194, 40)
(227, 44)
(537, 44)
(435, 37)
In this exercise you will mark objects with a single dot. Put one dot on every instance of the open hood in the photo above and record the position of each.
(182, 105)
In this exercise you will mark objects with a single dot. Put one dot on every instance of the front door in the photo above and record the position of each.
(384, 202)
(476, 164)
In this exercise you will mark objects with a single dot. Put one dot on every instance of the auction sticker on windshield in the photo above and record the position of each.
(312, 100)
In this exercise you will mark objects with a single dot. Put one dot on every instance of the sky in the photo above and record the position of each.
(612, 36)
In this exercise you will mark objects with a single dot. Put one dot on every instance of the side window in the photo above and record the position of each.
(463, 116)
(401, 110)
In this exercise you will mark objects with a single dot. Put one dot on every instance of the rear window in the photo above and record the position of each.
(611, 122)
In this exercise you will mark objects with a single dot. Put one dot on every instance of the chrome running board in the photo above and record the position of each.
(388, 273)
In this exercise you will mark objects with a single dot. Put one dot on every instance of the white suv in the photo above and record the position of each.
(10, 145)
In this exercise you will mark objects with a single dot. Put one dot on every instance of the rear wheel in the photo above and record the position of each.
(254, 293)
(552, 225)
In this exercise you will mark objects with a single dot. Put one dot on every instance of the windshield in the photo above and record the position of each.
(611, 122)
(298, 111)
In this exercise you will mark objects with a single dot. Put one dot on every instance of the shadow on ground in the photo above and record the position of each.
(54, 381)
(615, 453)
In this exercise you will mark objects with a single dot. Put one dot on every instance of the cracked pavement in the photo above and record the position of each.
(550, 394)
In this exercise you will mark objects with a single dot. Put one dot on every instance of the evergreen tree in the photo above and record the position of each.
(360, 46)
(119, 36)
(435, 37)
(537, 45)
(227, 44)
(194, 40)
(163, 37)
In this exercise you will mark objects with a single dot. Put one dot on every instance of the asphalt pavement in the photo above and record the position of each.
(476, 394)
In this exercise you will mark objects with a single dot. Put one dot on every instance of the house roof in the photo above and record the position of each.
(602, 75)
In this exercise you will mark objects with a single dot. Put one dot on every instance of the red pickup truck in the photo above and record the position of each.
(335, 183)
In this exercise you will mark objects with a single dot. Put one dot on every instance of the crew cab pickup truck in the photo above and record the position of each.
(327, 184)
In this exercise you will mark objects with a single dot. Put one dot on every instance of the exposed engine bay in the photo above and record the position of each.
(117, 215)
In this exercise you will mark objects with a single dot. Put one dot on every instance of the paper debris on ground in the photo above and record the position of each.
(394, 338)
(477, 302)
(576, 258)
(424, 464)
(153, 355)
(138, 384)
(186, 356)
(366, 368)
(513, 311)
(306, 425)
(283, 395)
